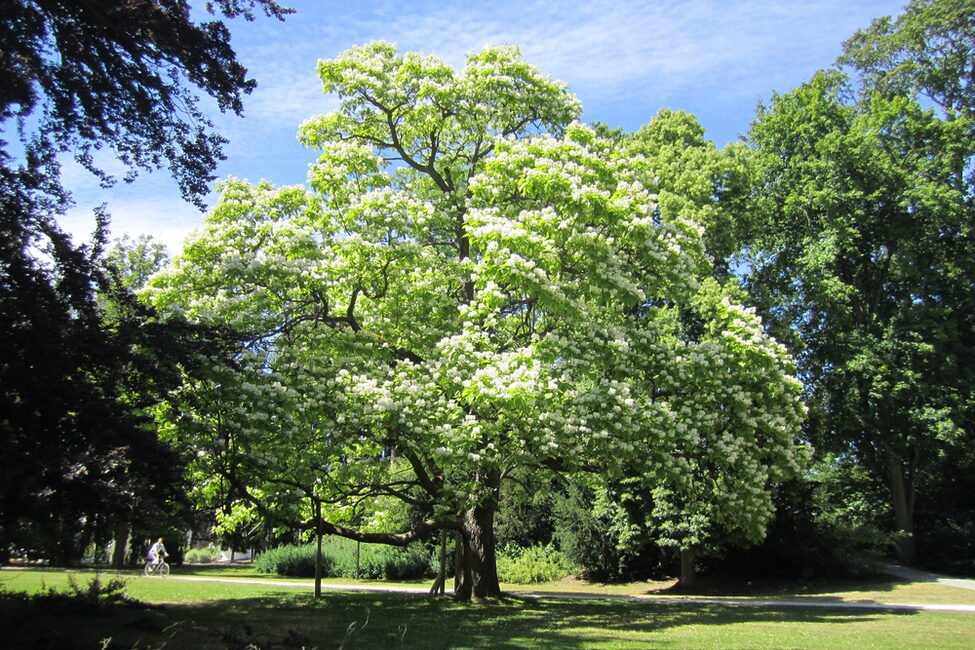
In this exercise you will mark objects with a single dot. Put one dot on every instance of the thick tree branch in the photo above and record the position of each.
(324, 527)
(420, 531)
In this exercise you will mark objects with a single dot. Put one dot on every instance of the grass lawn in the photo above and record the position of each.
(183, 614)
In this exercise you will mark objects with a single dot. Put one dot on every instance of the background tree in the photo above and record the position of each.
(81, 454)
(133, 261)
(927, 50)
(75, 78)
(865, 252)
(121, 75)
(482, 288)
(693, 179)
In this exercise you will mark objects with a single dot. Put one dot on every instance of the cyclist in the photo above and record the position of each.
(157, 552)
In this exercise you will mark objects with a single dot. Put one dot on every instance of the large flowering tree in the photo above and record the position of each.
(474, 285)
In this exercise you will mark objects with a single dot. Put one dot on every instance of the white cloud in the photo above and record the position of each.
(631, 49)
(135, 211)
(288, 92)
(623, 58)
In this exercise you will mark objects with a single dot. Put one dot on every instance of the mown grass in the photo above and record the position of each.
(212, 615)
(881, 589)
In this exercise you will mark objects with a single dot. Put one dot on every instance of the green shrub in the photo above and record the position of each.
(433, 562)
(589, 540)
(97, 592)
(291, 560)
(533, 564)
(376, 561)
(202, 555)
(77, 599)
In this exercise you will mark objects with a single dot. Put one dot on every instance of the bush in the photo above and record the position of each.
(589, 541)
(202, 555)
(77, 599)
(830, 525)
(291, 560)
(433, 561)
(96, 592)
(525, 519)
(376, 561)
(533, 564)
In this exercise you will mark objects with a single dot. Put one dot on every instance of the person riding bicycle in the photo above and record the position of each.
(157, 552)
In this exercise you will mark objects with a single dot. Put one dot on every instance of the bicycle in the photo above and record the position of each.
(154, 568)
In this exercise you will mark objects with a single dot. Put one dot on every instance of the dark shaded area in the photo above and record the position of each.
(731, 584)
(79, 454)
(374, 621)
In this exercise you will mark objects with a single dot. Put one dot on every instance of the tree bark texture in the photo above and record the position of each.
(902, 500)
(688, 574)
(121, 542)
(478, 577)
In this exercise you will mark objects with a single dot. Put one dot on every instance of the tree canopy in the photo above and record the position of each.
(79, 76)
(478, 303)
(929, 49)
(865, 252)
(480, 286)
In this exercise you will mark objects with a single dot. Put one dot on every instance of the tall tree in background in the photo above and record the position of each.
(864, 248)
(692, 178)
(81, 76)
(77, 77)
(928, 50)
(689, 179)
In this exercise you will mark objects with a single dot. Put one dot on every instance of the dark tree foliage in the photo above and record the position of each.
(78, 454)
(123, 74)
(866, 253)
(76, 77)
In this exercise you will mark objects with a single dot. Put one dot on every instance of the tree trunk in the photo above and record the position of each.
(458, 560)
(121, 541)
(688, 574)
(478, 577)
(903, 503)
(68, 548)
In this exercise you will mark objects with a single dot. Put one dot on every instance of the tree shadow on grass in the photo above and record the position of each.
(416, 621)
(734, 586)
(370, 620)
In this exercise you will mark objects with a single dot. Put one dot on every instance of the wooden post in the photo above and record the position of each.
(458, 560)
(443, 561)
(318, 550)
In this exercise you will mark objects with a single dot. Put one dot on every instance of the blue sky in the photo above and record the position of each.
(624, 59)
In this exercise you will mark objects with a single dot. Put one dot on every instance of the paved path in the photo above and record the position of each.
(925, 576)
(555, 595)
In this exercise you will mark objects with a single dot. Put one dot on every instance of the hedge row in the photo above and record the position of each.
(381, 562)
